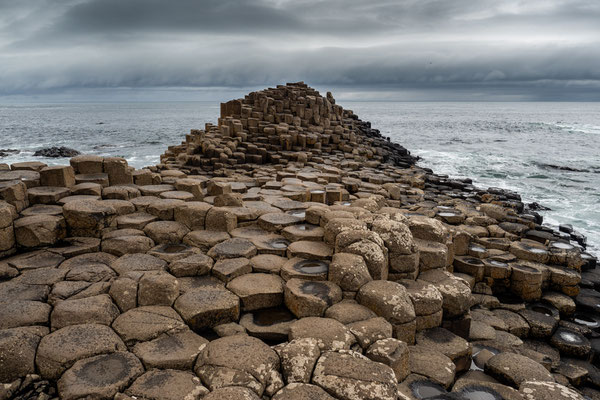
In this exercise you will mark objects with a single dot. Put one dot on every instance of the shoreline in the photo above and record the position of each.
(295, 234)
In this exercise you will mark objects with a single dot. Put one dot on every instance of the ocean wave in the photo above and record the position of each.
(582, 128)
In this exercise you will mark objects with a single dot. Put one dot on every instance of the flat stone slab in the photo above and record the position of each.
(135, 220)
(96, 309)
(193, 265)
(515, 369)
(270, 324)
(166, 231)
(17, 353)
(449, 344)
(230, 268)
(329, 333)
(171, 350)
(300, 391)
(207, 307)
(99, 377)
(167, 384)
(310, 250)
(311, 270)
(231, 393)
(432, 364)
(274, 222)
(348, 311)
(267, 263)
(353, 376)
(310, 298)
(146, 323)
(18, 313)
(36, 259)
(226, 360)
(258, 290)
(533, 390)
(137, 263)
(233, 248)
(205, 240)
(62, 348)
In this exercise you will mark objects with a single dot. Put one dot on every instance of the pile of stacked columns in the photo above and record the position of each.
(322, 265)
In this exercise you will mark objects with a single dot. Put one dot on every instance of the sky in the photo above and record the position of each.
(409, 50)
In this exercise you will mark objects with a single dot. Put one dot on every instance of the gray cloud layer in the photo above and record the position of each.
(530, 49)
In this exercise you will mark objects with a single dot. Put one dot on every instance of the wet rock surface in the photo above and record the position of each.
(288, 252)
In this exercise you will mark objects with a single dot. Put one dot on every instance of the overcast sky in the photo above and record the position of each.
(363, 49)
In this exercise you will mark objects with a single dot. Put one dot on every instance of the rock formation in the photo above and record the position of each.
(288, 252)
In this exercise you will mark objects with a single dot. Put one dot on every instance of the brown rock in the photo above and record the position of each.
(59, 175)
(99, 377)
(39, 230)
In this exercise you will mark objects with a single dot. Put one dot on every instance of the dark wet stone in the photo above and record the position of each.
(56, 152)
(570, 342)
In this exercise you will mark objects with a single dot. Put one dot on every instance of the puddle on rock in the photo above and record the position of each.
(562, 245)
(426, 389)
(479, 393)
(311, 267)
(279, 244)
(271, 316)
(174, 248)
(317, 289)
(587, 320)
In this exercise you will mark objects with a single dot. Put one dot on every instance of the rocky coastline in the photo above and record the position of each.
(288, 252)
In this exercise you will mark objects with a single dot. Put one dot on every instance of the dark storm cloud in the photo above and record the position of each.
(547, 49)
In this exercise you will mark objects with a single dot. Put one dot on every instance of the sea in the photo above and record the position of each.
(549, 152)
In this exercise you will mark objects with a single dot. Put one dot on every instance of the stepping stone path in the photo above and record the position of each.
(289, 251)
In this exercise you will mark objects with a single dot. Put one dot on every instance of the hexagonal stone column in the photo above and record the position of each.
(39, 230)
(89, 217)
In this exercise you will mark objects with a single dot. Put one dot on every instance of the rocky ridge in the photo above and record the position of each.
(288, 252)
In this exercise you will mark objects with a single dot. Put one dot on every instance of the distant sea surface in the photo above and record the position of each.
(548, 152)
